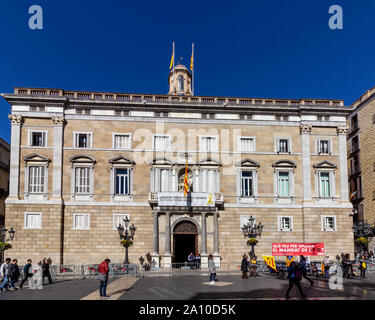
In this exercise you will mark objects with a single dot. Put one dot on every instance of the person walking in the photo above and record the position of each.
(244, 267)
(363, 267)
(347, 267)
(326, 267)
(46, 272)
(294, 276)
(212, 268)
(103, 277)
(253, 267)
(14, 273)
(26, 272)
(4, 271)
(303, 268)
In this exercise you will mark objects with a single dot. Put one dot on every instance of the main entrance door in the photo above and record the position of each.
(185, 240)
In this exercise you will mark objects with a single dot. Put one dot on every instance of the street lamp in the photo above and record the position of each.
(124, 235)
(362, 229)
(252, 230)
(3, 234)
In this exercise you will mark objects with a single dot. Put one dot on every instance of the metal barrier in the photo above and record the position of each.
(67, 271)
(186, 266)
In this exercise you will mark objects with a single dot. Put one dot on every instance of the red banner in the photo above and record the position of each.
(298, 249)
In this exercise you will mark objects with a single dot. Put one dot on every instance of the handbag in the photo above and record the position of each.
(102, 277)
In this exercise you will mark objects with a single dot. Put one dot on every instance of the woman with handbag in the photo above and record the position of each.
(103, 277)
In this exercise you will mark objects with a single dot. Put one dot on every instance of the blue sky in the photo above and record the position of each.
(274, 48)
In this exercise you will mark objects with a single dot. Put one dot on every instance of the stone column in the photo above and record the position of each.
(344, 193)
(204, 255)
(216, 254)
(305, 130)
(58, 141)
(16, 121)
(167, 252)
(155, 254)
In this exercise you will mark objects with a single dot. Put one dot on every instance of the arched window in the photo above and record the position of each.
(180, 83)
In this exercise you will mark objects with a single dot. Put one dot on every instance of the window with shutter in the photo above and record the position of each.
(33, 220)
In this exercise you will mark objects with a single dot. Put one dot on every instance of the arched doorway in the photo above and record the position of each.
(185, 240)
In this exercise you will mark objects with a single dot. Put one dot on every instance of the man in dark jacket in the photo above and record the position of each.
(303, 268)
(26, 272)
(244, 267)
(294, 276)
(14, 273)
(45, 269)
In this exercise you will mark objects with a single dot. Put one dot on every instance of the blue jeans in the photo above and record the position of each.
(5, 283)
(212, 277)
(103, 288)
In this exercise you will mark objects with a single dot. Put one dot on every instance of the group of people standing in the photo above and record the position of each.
(10, 273)
(194, 260)
(246, 263)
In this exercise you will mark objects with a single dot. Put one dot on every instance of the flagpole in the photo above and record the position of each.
(174, 78)
(193, 70)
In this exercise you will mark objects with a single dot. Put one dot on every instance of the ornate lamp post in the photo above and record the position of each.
(126, 237)
(252, 230)
(362, 230)
(4, 245)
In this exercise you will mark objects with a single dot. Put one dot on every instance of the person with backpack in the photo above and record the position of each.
(46, 272)
(294, 276)
(103, 270)
(244, 267)
(303, 267)
(4, 271)
(14, 273)
(26, 272)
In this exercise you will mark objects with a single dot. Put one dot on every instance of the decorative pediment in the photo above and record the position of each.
(161, 161)
(209, 162)
(248, 163)
(325, 165)
(121, 160)
(284, 164)
(35, 157)
(81, 158)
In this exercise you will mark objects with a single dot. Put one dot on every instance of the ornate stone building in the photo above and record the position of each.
(4, 177)
(81, 161)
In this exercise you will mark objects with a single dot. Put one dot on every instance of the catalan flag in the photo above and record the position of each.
(270, 261)
(289, 260)
(192, 59)
(186, 184)
(172, 59)
(322, 267)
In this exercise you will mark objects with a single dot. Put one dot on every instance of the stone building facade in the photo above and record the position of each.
(361, 159)
(4, 177)
(81, 161)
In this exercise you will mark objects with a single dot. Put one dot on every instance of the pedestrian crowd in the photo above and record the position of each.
(10, 273)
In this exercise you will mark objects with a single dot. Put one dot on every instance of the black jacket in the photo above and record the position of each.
(244, 265)
(14, 272)
(45, 268)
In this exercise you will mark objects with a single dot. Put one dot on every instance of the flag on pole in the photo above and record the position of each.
(186, 184)
(322, 267)
(172, 59)
(270, 261)
(289, 260)
(192, 59)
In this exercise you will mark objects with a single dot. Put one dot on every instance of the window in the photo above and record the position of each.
(208, 143)
(38, 138)
(122, 141)
(36, 179)
(328, 223)
(82, 180)
(247, 189)
(283, 146)
(81, 221)
(208, 180)
(247, 144)
(162, 142)
(283, 184)
(325, 190)
(285, 223)
(161, 180)
(180, 83)
(119, 219)
(324, 146)
(33, 220)
(83, 140)
(122, 182)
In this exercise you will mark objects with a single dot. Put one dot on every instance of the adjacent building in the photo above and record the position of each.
(361, 157)
(82, 161)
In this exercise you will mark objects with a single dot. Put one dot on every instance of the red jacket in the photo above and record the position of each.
(103, 267)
